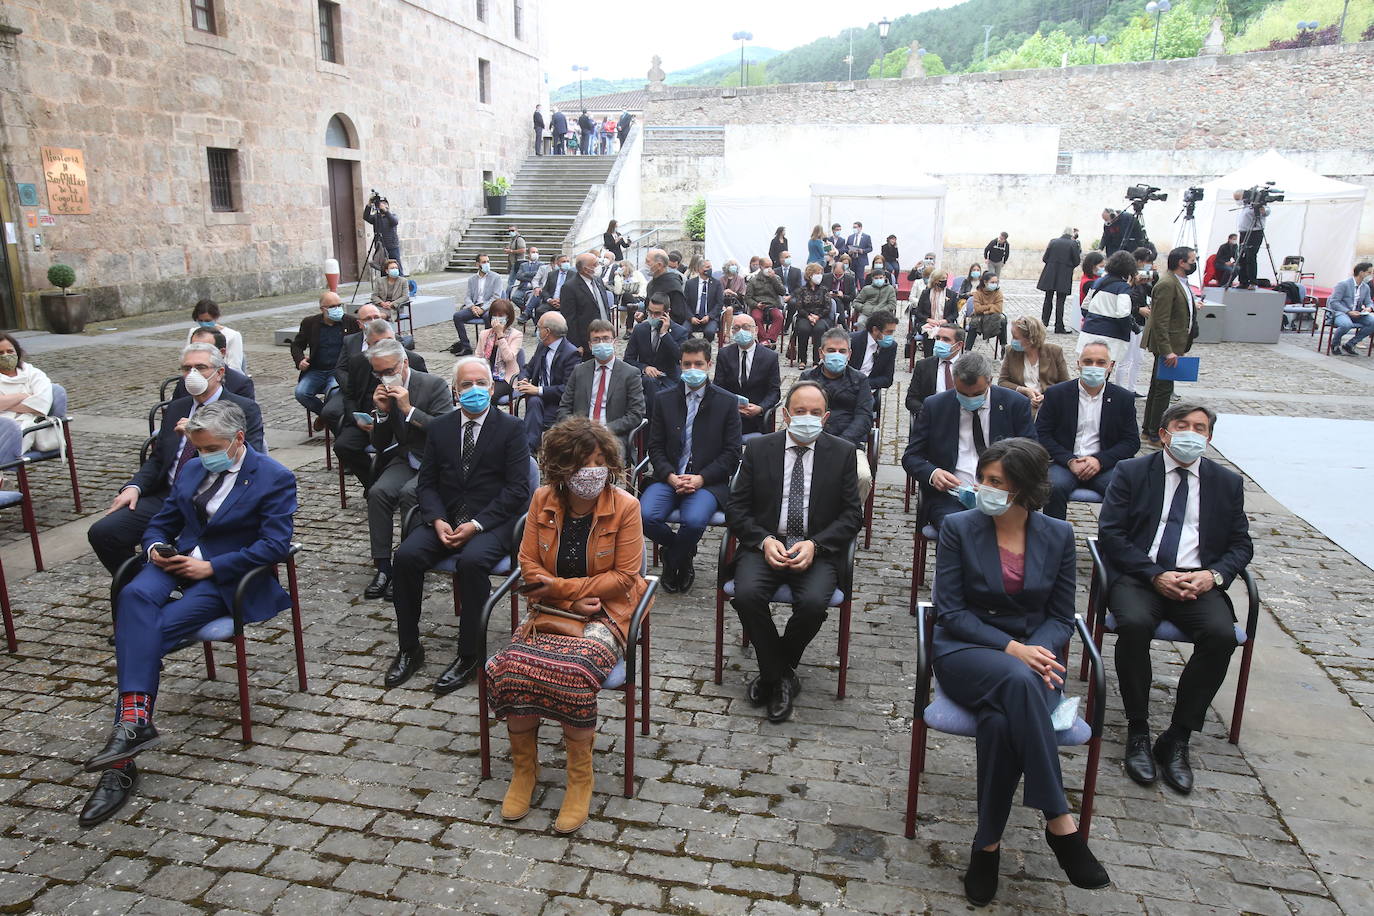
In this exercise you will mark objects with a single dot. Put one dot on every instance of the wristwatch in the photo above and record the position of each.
(1216, 578)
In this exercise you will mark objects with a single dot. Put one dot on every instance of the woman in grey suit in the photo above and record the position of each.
(1004, 590)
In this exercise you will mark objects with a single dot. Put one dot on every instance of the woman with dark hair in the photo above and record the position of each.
(891, 255)
(1092, 269)
(614, 242)
(580, 558)
(500, 346)
(811, 315)
(1107, 310)
(969, 282)
(777, 245)
(26, 396)
(206, 315)
(1000, 627)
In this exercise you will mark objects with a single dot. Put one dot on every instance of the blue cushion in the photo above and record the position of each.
(220, 629)
(10, 498)
(784, 594)
(616, 678)
(929, 533)
(450, 563)
(1299, 310)
(42, 456)
(1084, 495)
(717, 518)
(945, 715)
(1167, 632)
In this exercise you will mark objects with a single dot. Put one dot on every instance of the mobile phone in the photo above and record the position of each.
(743, 401)
(362, 417)
(165, 550)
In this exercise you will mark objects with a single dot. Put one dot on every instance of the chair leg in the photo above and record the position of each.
(906, 496)
(483, 726)
(1242, 682)
(868, 512)
(296, 632)
(1085, 813)
(924, 547)
(913, 777)
(1091, 620)
(209, 661)
(720, 633)
(846, 612)
(10, 639)
(71, 467)
(26, 513)
(644, 678)
(457, 599)
(328, 448)
(245, 708)
(915, 572)
(343, 488)
(514, 610)
(629, 740)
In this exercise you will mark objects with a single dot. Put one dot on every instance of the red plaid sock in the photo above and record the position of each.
(136, 708)
(121, 764)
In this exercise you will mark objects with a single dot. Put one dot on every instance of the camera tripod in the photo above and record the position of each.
(374, 249)
(1245, 238)
(1187, 231)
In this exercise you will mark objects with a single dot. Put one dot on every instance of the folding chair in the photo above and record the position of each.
(57, 417)
(11, 441)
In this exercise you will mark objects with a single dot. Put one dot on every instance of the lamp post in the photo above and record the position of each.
(579, 70)
(883, 27)
(1309, 26)
(1096, 40)
(1340, 30)
(742, 37)
(1157, 8)
(987, 33)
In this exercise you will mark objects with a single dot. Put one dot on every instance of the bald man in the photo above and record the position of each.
(315, 351)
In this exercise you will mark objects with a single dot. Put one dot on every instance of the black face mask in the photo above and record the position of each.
(1192, 269)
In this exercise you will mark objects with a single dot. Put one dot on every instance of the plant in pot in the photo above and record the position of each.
(496, 192)
(66, 311)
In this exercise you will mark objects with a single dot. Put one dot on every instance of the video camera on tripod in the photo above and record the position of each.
(1138, 194)
(377, 199)
(1261, 195)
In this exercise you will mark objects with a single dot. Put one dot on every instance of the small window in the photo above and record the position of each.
(329, 32)
(336, 134)
(203, 16)
(481, 10)
(1063, 164)
(519, 20)
(484, 81)
(224, 165)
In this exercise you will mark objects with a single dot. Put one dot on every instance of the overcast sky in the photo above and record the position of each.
(617, 42)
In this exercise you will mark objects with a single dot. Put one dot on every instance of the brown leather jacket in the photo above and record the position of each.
(615, 553)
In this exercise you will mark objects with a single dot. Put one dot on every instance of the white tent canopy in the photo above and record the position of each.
(1319, 217)
(740, 222)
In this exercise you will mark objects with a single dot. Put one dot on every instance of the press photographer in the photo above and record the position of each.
(1254, 211)
(384, 223)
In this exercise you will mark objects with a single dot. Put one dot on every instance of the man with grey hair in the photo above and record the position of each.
(315, 350)
(663, 279)
(356, 384)
(952, 430)
(545, 376)
(115, 536)
(583, 300)
(228, 512)
(1061, 257)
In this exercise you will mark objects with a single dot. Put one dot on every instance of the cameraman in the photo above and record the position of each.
(1251, 226)
(384, 223)
(1120, 232)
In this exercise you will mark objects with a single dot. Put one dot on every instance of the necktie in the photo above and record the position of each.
(743, 369)
(188, 451)
(1167, 555)
(701, 301)
(979, 443)
(202, 500)
(600, 393)
(469, 440)
(693, 402)
(949, 376)
(796, 497)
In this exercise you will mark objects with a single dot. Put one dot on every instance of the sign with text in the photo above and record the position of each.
(65, 171)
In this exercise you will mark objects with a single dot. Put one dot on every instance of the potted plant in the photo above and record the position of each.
(66, 311)
(496, 192)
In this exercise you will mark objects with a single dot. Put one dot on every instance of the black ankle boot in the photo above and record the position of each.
(1077, 860)
(980, 881)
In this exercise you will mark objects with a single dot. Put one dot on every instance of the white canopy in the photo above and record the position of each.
(740, 222)
(1319, 217)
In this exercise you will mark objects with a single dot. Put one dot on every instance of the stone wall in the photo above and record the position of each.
(142, 94)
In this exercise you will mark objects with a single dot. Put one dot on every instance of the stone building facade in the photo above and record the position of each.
(229, 146)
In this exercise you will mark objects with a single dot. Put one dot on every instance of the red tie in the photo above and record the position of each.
(600, 393)
(949, 376)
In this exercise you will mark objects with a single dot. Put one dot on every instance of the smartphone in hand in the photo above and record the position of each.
(165, 551)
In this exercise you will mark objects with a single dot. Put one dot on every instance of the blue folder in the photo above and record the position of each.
(1184, 371)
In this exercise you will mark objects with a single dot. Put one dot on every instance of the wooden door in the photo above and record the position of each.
(343, 217)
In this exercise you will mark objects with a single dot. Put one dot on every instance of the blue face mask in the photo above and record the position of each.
(393, 272)
(880, 281)
(992, 501)
(335, 313)
(217, 462)
(1101, 271)
(483, 268)
(694, 378)
(1093, 376)
(835, 362)
(207, 324)
(975, 274)
(565, 267)
(943, 349)
(744, 338)
(887, 341)
(603, 351)
(971, 402)
(475, 399)
(1017, 345)
(966, 495)
(805, 428)
(1186, 447)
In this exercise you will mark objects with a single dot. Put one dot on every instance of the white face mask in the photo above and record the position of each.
(196, 383)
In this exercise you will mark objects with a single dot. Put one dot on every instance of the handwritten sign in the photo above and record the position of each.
(65, 171)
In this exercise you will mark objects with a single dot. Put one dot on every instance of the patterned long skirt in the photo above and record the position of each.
(550, 676)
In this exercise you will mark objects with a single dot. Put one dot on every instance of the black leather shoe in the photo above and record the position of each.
(379, 587)
(668, 581)
(457, 675)
(1174, 766)
(758, 692)
(686, 576)
(780, 703)
(114, 789)
(1140, 766)
(1077, 860)
(126, 740)
(1350, 349)
(980, 881)
(403, 666)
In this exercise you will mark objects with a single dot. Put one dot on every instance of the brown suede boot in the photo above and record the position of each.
(577, 798)
(524, 756)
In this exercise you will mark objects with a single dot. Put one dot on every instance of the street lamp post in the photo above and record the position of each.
(1157, 8)
(1096, 40)
(883, 27)
(987, 33)
(579, 70)
(742, 37)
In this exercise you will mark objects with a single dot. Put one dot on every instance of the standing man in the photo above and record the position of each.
(587, 126)
(1350, 308)
(559, 130)
(483, 287)
(546, 375)
(606, 389)
(1251, 228)
(583, 300)
(996, 253)
(515, 250)
(538, 131)
(1169, 333)
(751, 372)
(860, 244)
(622, 129)
(315, 350)
(706, 300)
(663, 279)
(384, 223)
(1056, 278)
(837, 242)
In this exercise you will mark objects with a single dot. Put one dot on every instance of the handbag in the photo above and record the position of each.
(547, 618)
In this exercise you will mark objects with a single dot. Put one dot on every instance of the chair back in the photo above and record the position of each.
(534, 480)
(11, 440)
(59, 402)
(412, 286)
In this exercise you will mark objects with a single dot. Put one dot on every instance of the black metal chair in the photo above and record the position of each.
(12, 458)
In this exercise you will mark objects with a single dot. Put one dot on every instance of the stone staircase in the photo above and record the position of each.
(543, 202)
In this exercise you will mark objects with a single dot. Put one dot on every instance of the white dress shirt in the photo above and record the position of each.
(869, 352)
(1030, 374)
(966, 465)
(940, 372)
(1188, 557)
(789, 459)
(605, 395)
(1089, 436)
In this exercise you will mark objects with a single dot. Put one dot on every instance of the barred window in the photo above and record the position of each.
(329, 31)
(223, 165)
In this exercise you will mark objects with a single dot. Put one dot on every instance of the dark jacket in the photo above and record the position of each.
(763, 387)
(851, 404)
(355, 378)
(1107, 285)
(234, 382)
(564, 362)
(670, 284)
(920, 314)
(580, 308)
(715, 298)
(1118, 435)
(151, 478)
(775, 247)
(624, 396)
(1060, 257)
(762, 291)
(813, 302)
(538, 119)
(585, 122)
(791, 279)
(384, 224)
(495, 490)
(997, 251)
(884, 361)
(640, 352)
(560, 124)
(308, 337)
(934, 443)
(844, 286)
(716, 441)
(924, 378)
(431, 397)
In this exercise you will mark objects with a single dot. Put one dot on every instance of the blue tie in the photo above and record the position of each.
(692, 401)
(1167, 555)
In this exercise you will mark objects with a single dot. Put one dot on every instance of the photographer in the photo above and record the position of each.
(384, 223)
(1251, 226)
(1120, 232)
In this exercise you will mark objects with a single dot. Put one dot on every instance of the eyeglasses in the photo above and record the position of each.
(470, 383)
(200, 369)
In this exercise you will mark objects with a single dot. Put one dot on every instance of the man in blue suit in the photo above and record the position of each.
(859, 246)
(229, 511)
(116, 535)
(694, 447)
(873, 351)
(655, 348)
(705, 302)
(546, 375)
(1087, 426)
(952, 430)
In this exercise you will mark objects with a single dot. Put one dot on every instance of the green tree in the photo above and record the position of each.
(895, 61)
(694, 220)
(755, 74)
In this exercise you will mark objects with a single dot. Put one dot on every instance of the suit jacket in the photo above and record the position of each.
(565, 360)
(308, 337)
(1346, 298)
(763, 387)
(934, 443)
(972, 607)
(358, 381)
(431, 397)
(851, 404)
(551, 289)
(670, 284)
(1118, 434)
(581, 308)
(151, 478)
(495, 490)
(624, 396)
(845, 285)
(859, 244)
(481, 290)
(791, 279)
(834, 514)
(715, 298)
(1134, 504)
(560, 125)
(1169, 327)
(716, 441)
(251, 527)
(924, 378)
(640, 352)
(1052, 366)
(884, 361)
(234, 382)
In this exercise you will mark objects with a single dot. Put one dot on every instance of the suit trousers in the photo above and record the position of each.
(116, 536)
(538, 418)
(694, 511)
(351, 448)
(462, 317)
(420, 552)
(938, 504)
(1138, 609)
(148, 624)
(1157, 401)
(394, 488)
(1053, 301)
(334, 409)
(1014, 734)
(755, 583)
(1063, 482)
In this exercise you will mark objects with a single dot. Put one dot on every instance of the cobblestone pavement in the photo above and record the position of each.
(359, 799)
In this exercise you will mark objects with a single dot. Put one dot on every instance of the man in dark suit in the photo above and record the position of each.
(538, 131)
(1173, 535)
(606, 389)
(794, 510)
(705, 301)
(1169, 332)
(839, 284)
(790, 276)
(586, 125)
(849, 400)
(116, 535)
(1088, 427)
(1056, 278)
(404, 403)
(559, 131)
(357, 382)
(654, 348)
(952, 430)
(546, 374)
(859, 246)
(749, 370)
(550, 295)
(235, 382)
(694, 447)
(583, 301)
(474, 482)
(873, 351)
(934, 374)
(228, 512)
(315, 350)
(334, 406)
